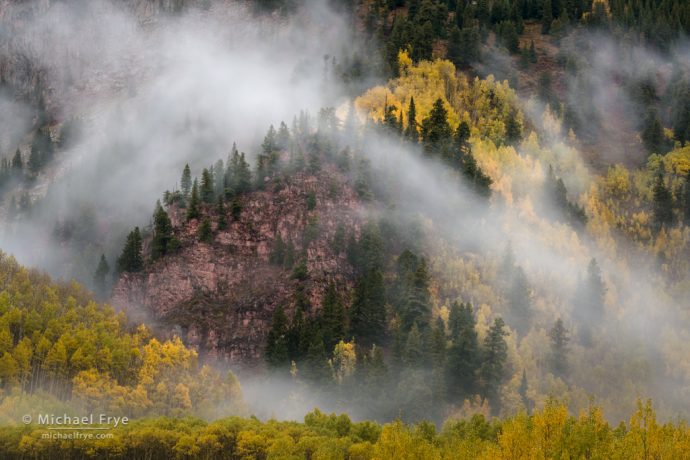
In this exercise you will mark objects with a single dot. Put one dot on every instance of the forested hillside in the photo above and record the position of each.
(469, 234)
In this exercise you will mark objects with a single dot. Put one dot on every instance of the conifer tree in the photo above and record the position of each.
(186, 181)
(333, 318)
(276, 347)
(17, 164)
(663, 204)
(315, 367)
(686, 200)
(547, 17)
(559, 349)
(100, 276)
(220, 208)
(522, 391)
(436, 132)
(131, 259)
(417, 308)
(193, 211)
(520, 302)
(479, 182)
(205, 233)
(462, 360)
(162, 232)
(207, 190)
(368, 314)
(494, 355)
(411, 132)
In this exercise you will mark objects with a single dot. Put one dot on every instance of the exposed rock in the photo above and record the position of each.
(221, 296)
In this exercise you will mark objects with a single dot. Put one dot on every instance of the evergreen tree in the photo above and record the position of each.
(436, 132)
(193, 211)
(186, 181)
(559, 349)
(417, 308)
(131, 259)
(462, 137)
(220, 208)
(333, 318)
(547, 16)
(205, 233)
(589, 302)
(414, 353)
(662, 204)
(17, 165)
(162, 232)
(495, 354)
(315, 367)
(100, 276)
(368, 314)
(276, 347)
(479, 182)
(412, 132)
(522, 391)
(520, 302)
(513, 129)
(686, 199)
(653, 133)
(463, 355)
(207, 190)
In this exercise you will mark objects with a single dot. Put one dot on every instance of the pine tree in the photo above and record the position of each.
(417, 308)
(333, 318)
(436, 132)
(522, 391)
(663, 204)
(100, 276)
(131, 259)
(205, 233)
(220, 208)
(547, 17)
(162, 232)
(276, 347)
(479, 182)
(520, 302)
(368, 313)
(463, 355)
(686, 200)
(653, 133)
(193, 211)
(589, 302)
(495, 354)
(315, 367)
(17, 165)
(186, 181)
(559, 349)
(207, 190)
(412, 133)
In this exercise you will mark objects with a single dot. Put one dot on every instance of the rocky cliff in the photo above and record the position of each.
(220, 297)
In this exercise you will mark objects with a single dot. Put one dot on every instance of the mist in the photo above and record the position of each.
(155, 94)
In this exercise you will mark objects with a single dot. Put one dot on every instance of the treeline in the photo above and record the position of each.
(548, 433)
(57, 346)
(418, 25)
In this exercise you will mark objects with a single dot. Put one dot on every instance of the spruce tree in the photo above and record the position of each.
(686, 199)
(412, 133)
(220, 208)
(131, 259)
(479, 182)
(559, 349)
(368, 313)
(205, 233)
(462, 360)
(276, 347)
(17, 165)
(436, 132)
(417, 308)
(546, 17)
(193, 211)
(520, 302)
(207, 190)
(333, 318)
(162, 232)
(495, 354)
(186, 181)
(315, 367)
(522, 391)
(100, 276)
(662, 204)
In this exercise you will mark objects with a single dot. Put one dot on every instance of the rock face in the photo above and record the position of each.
(220, 297)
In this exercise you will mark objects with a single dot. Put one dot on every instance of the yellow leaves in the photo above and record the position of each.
(516, 439)
(344, 361)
